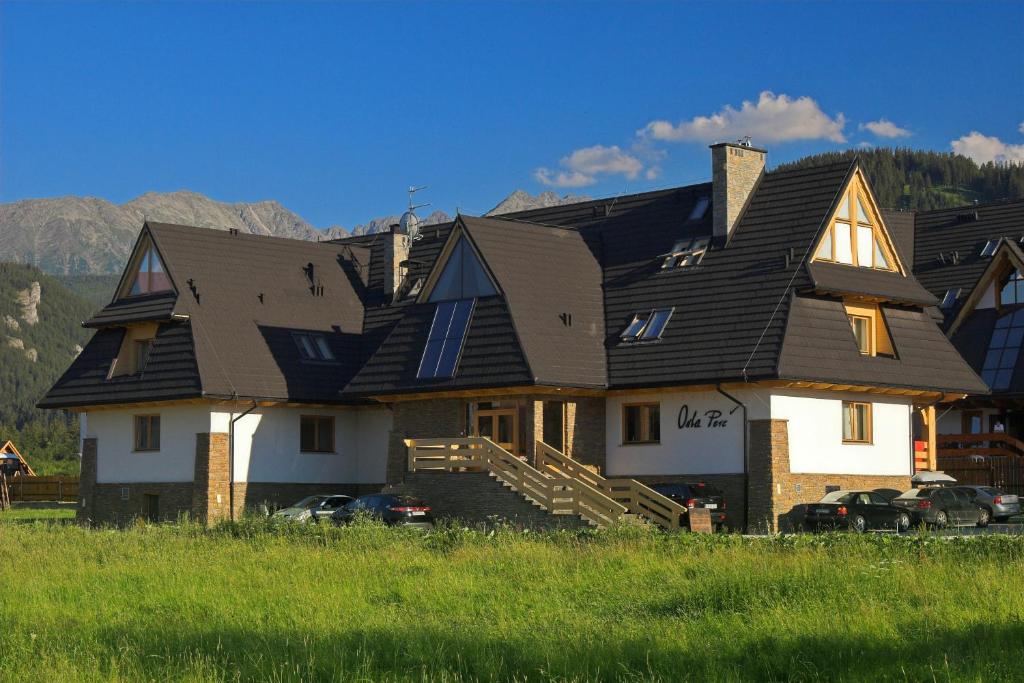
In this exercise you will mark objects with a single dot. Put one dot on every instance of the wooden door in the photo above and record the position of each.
(970, 422)
(500, 425)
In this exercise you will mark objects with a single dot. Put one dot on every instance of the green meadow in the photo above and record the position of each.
(366, 603)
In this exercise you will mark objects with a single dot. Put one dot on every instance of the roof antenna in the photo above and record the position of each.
(410, 222)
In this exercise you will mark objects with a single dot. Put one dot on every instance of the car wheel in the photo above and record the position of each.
(859, 524)
(984, 517)
(941, 520)
(903, 522)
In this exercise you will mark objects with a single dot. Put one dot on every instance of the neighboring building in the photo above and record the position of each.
(762, 332)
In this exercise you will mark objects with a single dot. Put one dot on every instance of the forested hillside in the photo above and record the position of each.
(915, 179)
(40, 333)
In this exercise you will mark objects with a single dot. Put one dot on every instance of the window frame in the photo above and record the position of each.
(141, 359)
(870, 351)
(645, 422)
(646, 319)
(316, 433)
(313, 353)
(856, 191)
(149, 447)
(855, 423)
(146, 249)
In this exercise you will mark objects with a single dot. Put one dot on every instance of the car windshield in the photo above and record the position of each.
(308, 502)
(837, 497)
(916, 493)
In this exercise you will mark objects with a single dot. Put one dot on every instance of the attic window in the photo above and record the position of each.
(647, 326)
(686, 252)
(446, 339)
(949, 301)
(699, 209)
(313, 346)
(151, 275)
(855, 236)
(990, 248)
(463, 276)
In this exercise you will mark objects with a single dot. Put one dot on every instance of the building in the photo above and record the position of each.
(762, 332)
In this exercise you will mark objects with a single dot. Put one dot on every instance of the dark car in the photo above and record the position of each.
(857, 511)
(941, 507)
(1000, 506)
(313, 508)
(696, 495)
(888, 494)
(390, 509)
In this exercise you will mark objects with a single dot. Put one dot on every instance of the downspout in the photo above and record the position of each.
(231, 458)
(746, 453)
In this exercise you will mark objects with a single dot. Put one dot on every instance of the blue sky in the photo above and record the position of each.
(333, 109)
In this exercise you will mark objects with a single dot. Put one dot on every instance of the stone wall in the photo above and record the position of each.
(427, 419)
(585, 431)
(122, 504)
(735, 170)
(778, 496)
(211, 492)
(476, 497)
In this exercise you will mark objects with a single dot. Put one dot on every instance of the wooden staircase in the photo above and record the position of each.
(558, 484)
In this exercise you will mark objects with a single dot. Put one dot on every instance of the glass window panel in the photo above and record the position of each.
(861, 332)
(307, 434)
(305, 346)
(475, 282)
(844, 208)
(880, 260)
(825, 248)
(1004, 321)
(154, 432)
(699, 209)
(989, 376)
(1018, 318)
(659, 319)
(463, 276)
(844, 249)
(325, 434)
(631, 423)
(654, 423)
(158, 280)
(998, 338)
(992, 359)
(848, 421)
(449, 284)
(633, 329)
(323, 349)
(1003, 378)
(862, 214)
(865, 245)
(1009, 358)
(1015, 336)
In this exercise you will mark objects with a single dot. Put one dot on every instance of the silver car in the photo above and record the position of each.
(313, 508)
(1000, 505)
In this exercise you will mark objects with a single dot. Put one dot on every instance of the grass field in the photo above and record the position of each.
(366, 603)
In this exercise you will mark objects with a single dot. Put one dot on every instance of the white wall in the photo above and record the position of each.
(692, 448)
(117, 462)
(816, 434)
(267, 446)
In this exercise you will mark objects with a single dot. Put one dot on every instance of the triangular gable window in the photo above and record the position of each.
(855, 235)
(463, 276)
(150, 276)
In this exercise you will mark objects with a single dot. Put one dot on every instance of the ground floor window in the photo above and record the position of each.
(856, 422)
(147, 432)
(316, 434)
(641, 423)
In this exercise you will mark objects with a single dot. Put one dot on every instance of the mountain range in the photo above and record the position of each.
(92, 236)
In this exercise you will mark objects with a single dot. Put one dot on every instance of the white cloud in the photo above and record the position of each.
(652, 173)
(774, 118)
(984, 148)
(584, 165)
(884, 128)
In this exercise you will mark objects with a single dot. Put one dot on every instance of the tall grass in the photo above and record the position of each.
(367, 603)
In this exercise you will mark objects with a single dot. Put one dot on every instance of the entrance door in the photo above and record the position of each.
(500, 425)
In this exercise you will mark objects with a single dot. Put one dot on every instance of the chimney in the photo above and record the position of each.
(396, 250)
(736, 168)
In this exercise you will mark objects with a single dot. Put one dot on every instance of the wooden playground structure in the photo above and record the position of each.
(12, 466)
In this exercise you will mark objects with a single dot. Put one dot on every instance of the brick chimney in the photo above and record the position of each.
(736, 168)
(396, 250)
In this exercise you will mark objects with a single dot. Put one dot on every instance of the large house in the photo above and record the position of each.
(763, 332)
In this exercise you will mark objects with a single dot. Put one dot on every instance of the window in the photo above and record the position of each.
(990, 248)
(949, 301)
(686, 252)
(862, 333)
(445, 340)
(1012, 291)
(641, 423)
(463, 276)
(316, 434)
(142, 349)
(1003, 350)
(313, 346)
(151, 276)
(699, 209)
(856, 422)
(855, 235)
(647, 326)
(147, 432)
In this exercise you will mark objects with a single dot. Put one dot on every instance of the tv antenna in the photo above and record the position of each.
(410, 222)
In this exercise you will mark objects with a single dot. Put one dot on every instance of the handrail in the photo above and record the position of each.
(638, 498)
(961, 444)
(561, 495)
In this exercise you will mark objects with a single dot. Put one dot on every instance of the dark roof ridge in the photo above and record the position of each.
(500, 218)
(1006, 201)
(226, 232)
(603, 200)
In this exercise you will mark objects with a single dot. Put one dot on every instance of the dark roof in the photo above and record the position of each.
(901, 228)
(135, 309)
(836, 278)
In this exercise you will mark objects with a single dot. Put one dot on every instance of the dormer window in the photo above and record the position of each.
(949, 301)
(869, 329)
(686, 252)
(313, 346)
(151, 276)
(855, 236)
(647, 326)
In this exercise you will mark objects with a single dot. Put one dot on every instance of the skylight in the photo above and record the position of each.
(949, 300)
(990, 248)
(699, 209)
(312, 346)
(447, 336)
(647, 326)
(1003, 349)
(686, 252)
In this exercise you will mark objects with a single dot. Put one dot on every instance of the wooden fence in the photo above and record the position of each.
(42, 489)
(1003, 472)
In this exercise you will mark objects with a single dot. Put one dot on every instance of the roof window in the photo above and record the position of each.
(949, 301)
(446, 339)
(990, 248)
(312, 346)
(647, 326)
(686, 252)
(699, 209)
(1003, 349)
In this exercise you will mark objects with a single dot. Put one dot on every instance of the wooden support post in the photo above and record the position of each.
(930, 423)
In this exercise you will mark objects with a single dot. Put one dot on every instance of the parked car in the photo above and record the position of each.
(888, 494)
(1001, 506)
(696, 495)
(856, 511)
(390, 509)
(313, 508)
(941, 507)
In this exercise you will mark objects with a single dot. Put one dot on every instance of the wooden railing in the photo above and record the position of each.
(638, 498)
(951, 445)
(560, 495)
(38, 489)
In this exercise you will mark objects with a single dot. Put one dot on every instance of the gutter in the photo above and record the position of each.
(231, 458)
(746, 453)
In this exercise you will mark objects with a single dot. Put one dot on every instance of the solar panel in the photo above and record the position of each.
(446, 338)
